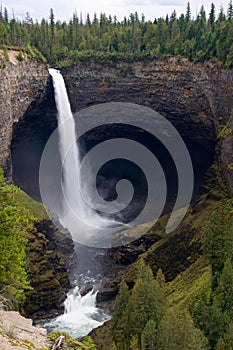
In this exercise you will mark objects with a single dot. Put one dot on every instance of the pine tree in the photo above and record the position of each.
(217, 244)
(224, 291)
(210, 319)
(188, 13)
(212, 15)
(120, 321)
(220, 344)
(229, 61)
(147, 302)
(177, 332)
(228, 337)
(221, 16)
(6, 17)
(149, 336)
(52, 24)
(230, 11)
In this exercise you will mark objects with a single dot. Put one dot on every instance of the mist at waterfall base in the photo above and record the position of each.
(80, 312)
(76, 212)
(80, 317)
(81, 205)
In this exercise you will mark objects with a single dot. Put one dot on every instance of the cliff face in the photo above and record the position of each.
(183, 92)
(196, 98)
(22, 84)
(23, 87)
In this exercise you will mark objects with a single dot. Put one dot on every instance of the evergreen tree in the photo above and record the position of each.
(221, 16)
(220, 344)
(212, 15)
(120, 321)
(6, 17)
(147, 302)
(149, 336)
(230, 11)
(217, 244)
(177, 332)
(188, 13)
(210, 319)
(228, 337)
(223, 296)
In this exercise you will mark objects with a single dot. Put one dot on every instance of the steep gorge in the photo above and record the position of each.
(183, 92)
(196, 98)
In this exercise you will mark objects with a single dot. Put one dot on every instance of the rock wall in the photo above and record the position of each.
(22, 84)
(17, 332)
(49, 253)
(173, 86)
(194, 97)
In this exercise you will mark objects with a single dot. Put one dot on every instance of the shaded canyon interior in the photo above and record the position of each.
(183, 92)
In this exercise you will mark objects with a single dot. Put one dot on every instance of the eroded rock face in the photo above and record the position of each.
(127, 254)
(22, 85)
(48, 253)
(183, 92)
(196, 98)
(18, 332)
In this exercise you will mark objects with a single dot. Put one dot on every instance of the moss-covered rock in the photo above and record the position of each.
(48, 251)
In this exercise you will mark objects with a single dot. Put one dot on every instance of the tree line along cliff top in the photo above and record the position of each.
(208, 36)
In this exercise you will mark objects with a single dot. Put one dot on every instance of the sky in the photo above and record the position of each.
(64, 9)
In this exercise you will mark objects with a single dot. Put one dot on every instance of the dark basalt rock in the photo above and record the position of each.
(48, 253)
(108, 290)
(127, 254)
(195, 98)
(86, 289)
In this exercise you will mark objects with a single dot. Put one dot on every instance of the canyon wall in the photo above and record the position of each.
(194, 97)
(22, 84)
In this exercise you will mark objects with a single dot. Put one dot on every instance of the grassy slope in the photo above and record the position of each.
(193, 279)
(36, 208)
(194, 276)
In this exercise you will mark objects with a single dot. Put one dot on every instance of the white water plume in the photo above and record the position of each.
(77, 214)
(81, 315)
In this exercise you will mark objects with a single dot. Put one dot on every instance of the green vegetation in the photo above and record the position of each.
(18, 270)
(70, 343)
(199, 301)
(194, 311)
(214, 311)
(144, 320)
(14, 220)
(207, 37)
(36, 209)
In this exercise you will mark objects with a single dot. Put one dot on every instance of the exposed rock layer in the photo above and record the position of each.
(48, 252)
(22, 84)
(17, 332)
(196, 98)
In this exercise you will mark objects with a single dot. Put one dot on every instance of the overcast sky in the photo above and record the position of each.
(63, 9)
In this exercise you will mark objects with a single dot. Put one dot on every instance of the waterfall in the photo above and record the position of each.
(67, 143)
(81, 315)
(83, 222)
(75, 301)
